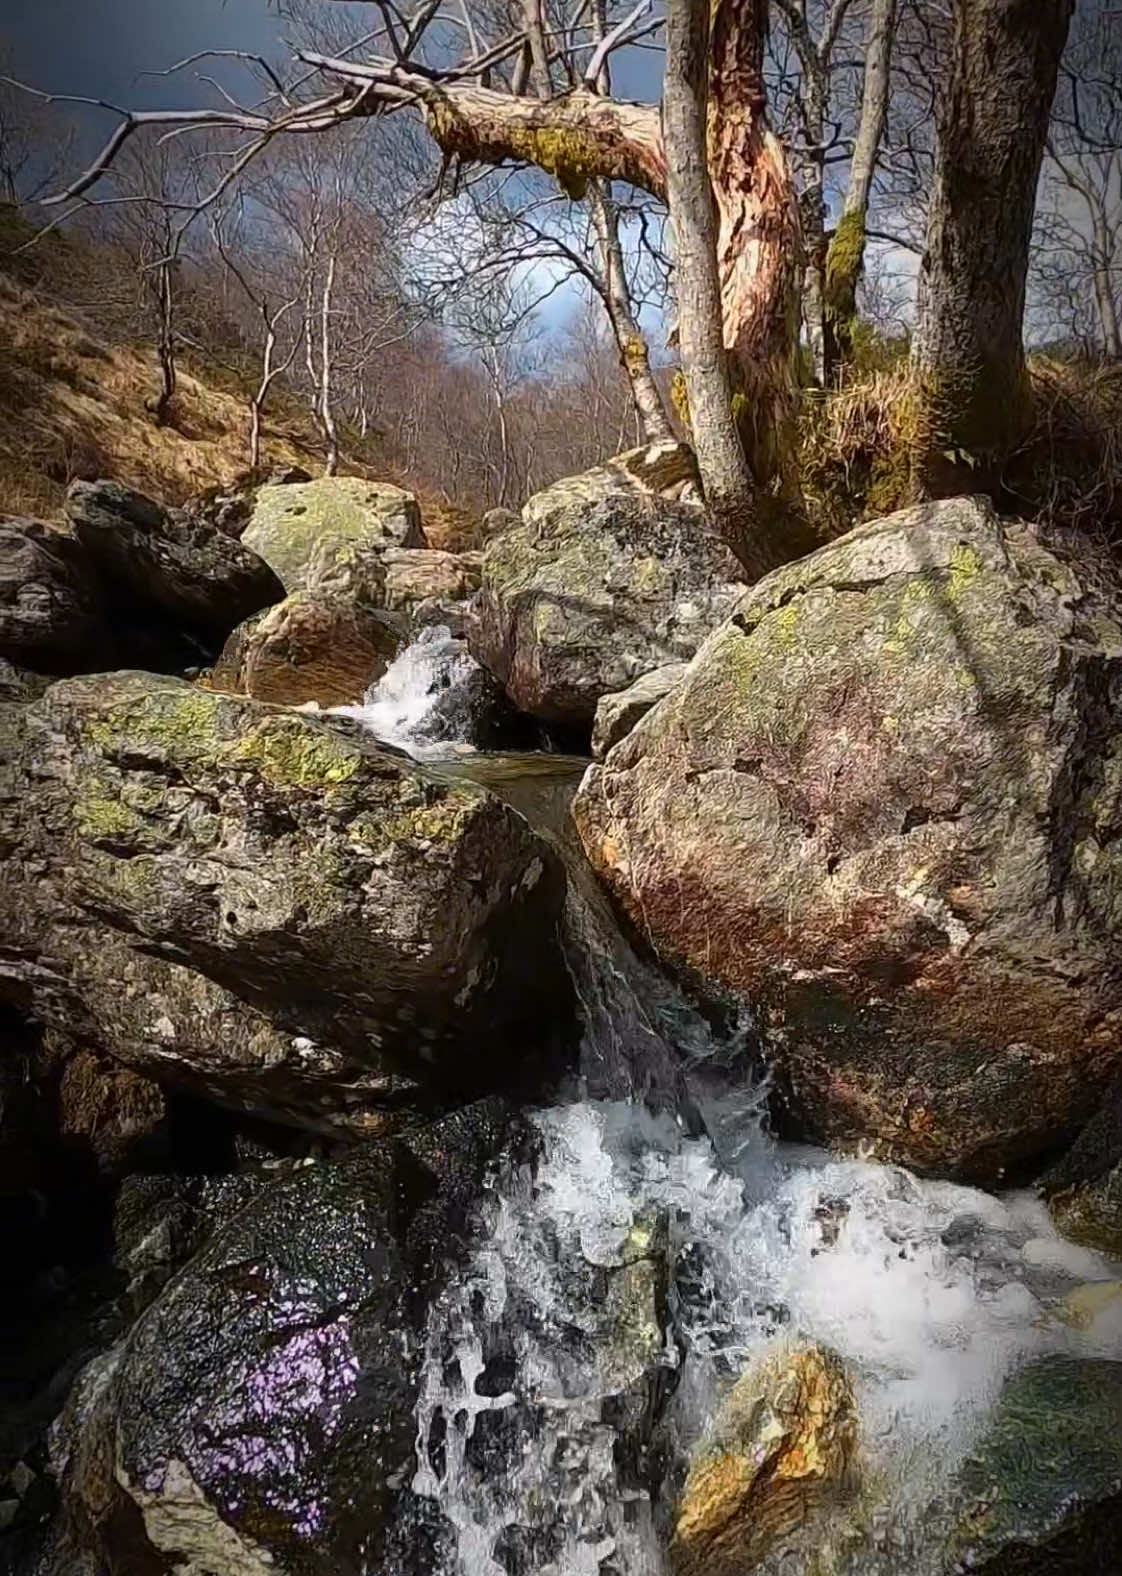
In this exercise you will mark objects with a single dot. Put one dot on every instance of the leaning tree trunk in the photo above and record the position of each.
(738, 255)
(846, 255)
(993, 121)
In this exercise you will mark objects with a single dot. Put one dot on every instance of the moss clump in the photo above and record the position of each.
(98, 816)
(843, 269)
(289, 754)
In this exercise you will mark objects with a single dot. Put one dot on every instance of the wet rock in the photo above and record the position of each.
(779, 1448)
(292, 521)
(375, 921)
(309, 647)
(1042, 1490)
(157, 564)
(617, 714)
(1084, 1189)
(881, 809)
(599, 584)
(51, 614)
(19, 684)
(259, 1416)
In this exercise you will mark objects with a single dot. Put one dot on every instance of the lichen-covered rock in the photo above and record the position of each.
(309, 647)
(258, 1418)
(51, 612)
(158, 564)
(882, 808)
(652, 469)
(591, 591)
(291, 522)
(1042, 1490)
(617, 714)
(781, 1444)
(372, 919)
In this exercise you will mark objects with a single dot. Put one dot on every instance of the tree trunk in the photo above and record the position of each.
(327, 413)
(633, 353)
(814, 219)
(846, 255)
(730, 491)
(165, 342)
(993, 120)
(760, 261)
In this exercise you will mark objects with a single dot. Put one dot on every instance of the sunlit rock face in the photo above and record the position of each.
(258, 1419)
(603, 579)
(782, 1441)
(242, 898)
(881, 808)
(293, 525)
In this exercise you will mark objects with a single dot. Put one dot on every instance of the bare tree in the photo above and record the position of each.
(846, 254)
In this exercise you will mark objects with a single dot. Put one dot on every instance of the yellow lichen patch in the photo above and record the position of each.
(292, 754)
(97, 815)
(966, 566)
(783, 1438)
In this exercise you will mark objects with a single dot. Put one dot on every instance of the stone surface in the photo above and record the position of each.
(416, 575)
(155, 564)
(781, 1443)
(654, 468)
(259, 1418)
(591, 591)
(882, 807)
(1084, 1189)
(1043, 1487)
(332, 513)
(51, 614)
(310, 647)
(327, 914)
(617, 714)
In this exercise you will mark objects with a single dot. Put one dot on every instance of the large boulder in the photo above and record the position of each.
(154, 564)
(368, 920)
(1041, 1492)
(416, 575)
(780, 1446)
(309, 647)
(333, 514)
(259, 1417)
(882, 809)
(51, 614)
(594, 588)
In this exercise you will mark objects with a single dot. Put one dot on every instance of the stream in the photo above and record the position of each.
(553, 1422)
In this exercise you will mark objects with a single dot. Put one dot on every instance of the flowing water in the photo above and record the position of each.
(660, 1237)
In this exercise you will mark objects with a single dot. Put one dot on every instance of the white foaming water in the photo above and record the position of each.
(399, 708)
(931, 1292)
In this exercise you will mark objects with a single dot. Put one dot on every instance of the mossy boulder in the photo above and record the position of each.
(332, 514)
(778, 1450)
(259, 1416)
(369, 920)
(617, 714)
(1042, 1489)
(164, 573)
(882, 809)
(310, 647)
(599, 583)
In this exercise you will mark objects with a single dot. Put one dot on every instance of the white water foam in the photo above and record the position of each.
(931, 1292)
(399, 708)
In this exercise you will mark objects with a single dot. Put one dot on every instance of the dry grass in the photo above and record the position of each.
(859, 445)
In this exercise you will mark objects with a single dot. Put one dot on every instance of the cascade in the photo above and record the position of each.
(620, 1281)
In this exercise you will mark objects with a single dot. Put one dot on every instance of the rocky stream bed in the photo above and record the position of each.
(427, 1152)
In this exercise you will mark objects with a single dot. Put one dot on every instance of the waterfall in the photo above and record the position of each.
(426, 698)
(618, 1283)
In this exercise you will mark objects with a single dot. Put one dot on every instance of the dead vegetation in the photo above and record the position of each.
(860, 444)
